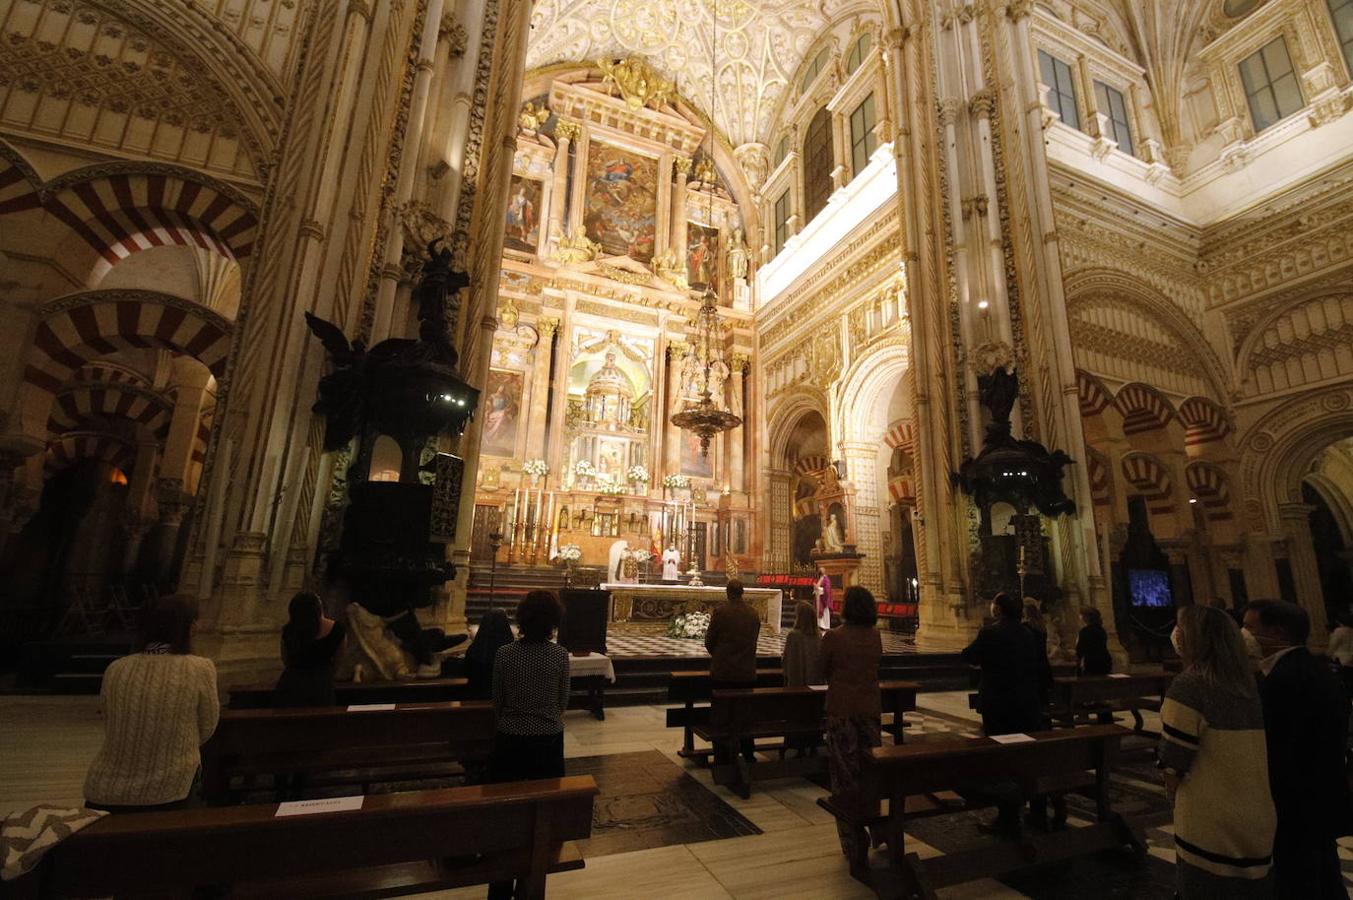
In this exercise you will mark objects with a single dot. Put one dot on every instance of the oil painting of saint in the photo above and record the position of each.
(622, 202)
(702, 257)
(693, 462)
(502, 409)
(523, 215)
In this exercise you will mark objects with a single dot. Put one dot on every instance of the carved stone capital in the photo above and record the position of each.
(1019, 9)
(361, 8)
(948, 110)
(311, 229)
(683, 165)
(983, 103)
(547, 327)
(453, 34)
(566, 130)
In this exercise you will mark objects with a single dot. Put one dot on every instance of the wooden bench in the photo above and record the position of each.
(785, 714)
(394, 844)
(349, 693)
(690, 688)
(1076, 698)
(909, 777)
(409, 741)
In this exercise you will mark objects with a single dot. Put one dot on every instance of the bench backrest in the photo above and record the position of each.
(434, 690)
(921, 768)
(149, 851)
(1100, 688)
(799, 707)
(693, 687)
(245, 732)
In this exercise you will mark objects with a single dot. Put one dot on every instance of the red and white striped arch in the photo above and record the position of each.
(81, 402)
(902, 489)
(120, 214)
(1148, 478)
(1143, 408)
(811, 465)
(18, 192)
(1204, 421)
(74, 446)
(1094, 398)
(1209, 485)
(105, 372)
(84, 327)
(901, 433)
(1097, 470)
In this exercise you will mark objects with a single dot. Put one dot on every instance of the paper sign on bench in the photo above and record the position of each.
(1011, 738)
(817, 687)
(325, 805)
(1120, 675)
(370, 707)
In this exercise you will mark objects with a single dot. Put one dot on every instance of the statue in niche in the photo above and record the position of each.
(738, 257)
(833, 538)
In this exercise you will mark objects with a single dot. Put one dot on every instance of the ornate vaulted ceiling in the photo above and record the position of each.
(760, 45)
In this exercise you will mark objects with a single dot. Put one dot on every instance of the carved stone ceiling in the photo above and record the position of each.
(78, 74)
(760, 45)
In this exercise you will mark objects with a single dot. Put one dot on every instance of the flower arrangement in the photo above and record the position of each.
(676, 481)
(688, 625)
(585, 468)
(567, 554)
(612, 488)
(637, 474)
(641, 556)
(537, 468)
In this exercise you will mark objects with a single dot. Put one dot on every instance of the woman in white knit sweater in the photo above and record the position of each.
(159, 708)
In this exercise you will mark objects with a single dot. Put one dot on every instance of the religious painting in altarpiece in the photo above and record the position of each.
(702, 257)
(693, 462)
(621, 212)
(523, 214)
(502, 412)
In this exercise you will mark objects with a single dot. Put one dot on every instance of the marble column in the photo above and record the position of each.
(682, 165)
(18, 502)
(542, 365)
(676, 356)
(565, 132)
(190, 400)
(172, 502)
(737, 464)
(1296, 520)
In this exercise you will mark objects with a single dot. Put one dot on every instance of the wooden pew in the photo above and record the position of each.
(690, 688)
(252, 742)
(1079, 697)
(1058, 760)
(782, 713)
(347, 693)
(394, 844)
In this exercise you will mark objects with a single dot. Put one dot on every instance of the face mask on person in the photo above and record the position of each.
(1252, 648)
(1176, 640)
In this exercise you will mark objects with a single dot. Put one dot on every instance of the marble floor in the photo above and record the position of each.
(47, 742)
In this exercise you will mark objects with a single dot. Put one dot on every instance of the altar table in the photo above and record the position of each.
(649, 607)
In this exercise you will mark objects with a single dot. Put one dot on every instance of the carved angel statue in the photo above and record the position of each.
(669, 267)
(438, 282)
(532, 118)
(833, 540)
(341, 392)
(738, 256)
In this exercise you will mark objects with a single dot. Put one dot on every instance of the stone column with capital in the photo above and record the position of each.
(1296, 521)
(565, 132)
(682, 167)
(737, 437)
(676, 356)
(862, 473)
(171, 502)
(542, 365)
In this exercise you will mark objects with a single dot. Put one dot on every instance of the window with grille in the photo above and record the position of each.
(863, 140)
(817, 65)
(860, 49)
(781, 222)
(1061, 88)
(1111, 104)
(817, 165)
(1270, 84)
(1342, 13)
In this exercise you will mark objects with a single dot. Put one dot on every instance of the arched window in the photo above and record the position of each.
(817, 165)
(858, 51)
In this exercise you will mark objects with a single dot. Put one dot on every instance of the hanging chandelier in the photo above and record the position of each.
(709, 371)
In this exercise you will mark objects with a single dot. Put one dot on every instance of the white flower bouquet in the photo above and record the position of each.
(536, 467)
(641, 556)
(637, 474)
(612, 488)
(688, 625)
(584, 467)
(568, 553)
(676, 481)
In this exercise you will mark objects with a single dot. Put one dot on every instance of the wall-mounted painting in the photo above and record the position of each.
(502, 412)
(702, 257)
(622, 202)
(523, 214)
(693, 462)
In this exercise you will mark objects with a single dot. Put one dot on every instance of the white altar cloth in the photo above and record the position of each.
(589, 665)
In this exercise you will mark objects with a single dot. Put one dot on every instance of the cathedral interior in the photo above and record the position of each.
(771, 287)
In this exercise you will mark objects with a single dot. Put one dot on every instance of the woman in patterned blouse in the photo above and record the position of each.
(1215, 759)
(530, 694)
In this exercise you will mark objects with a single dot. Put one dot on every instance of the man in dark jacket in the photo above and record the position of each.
(1306, 720)
(731, 642)
(1008, 693)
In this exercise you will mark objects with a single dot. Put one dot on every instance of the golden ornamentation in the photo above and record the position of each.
(705, 173)
(576, 248)
(532, 117)
(624, 276)
(671, 268)
(683, 164)
(508, 314)
(567, 131)
(639, 84)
